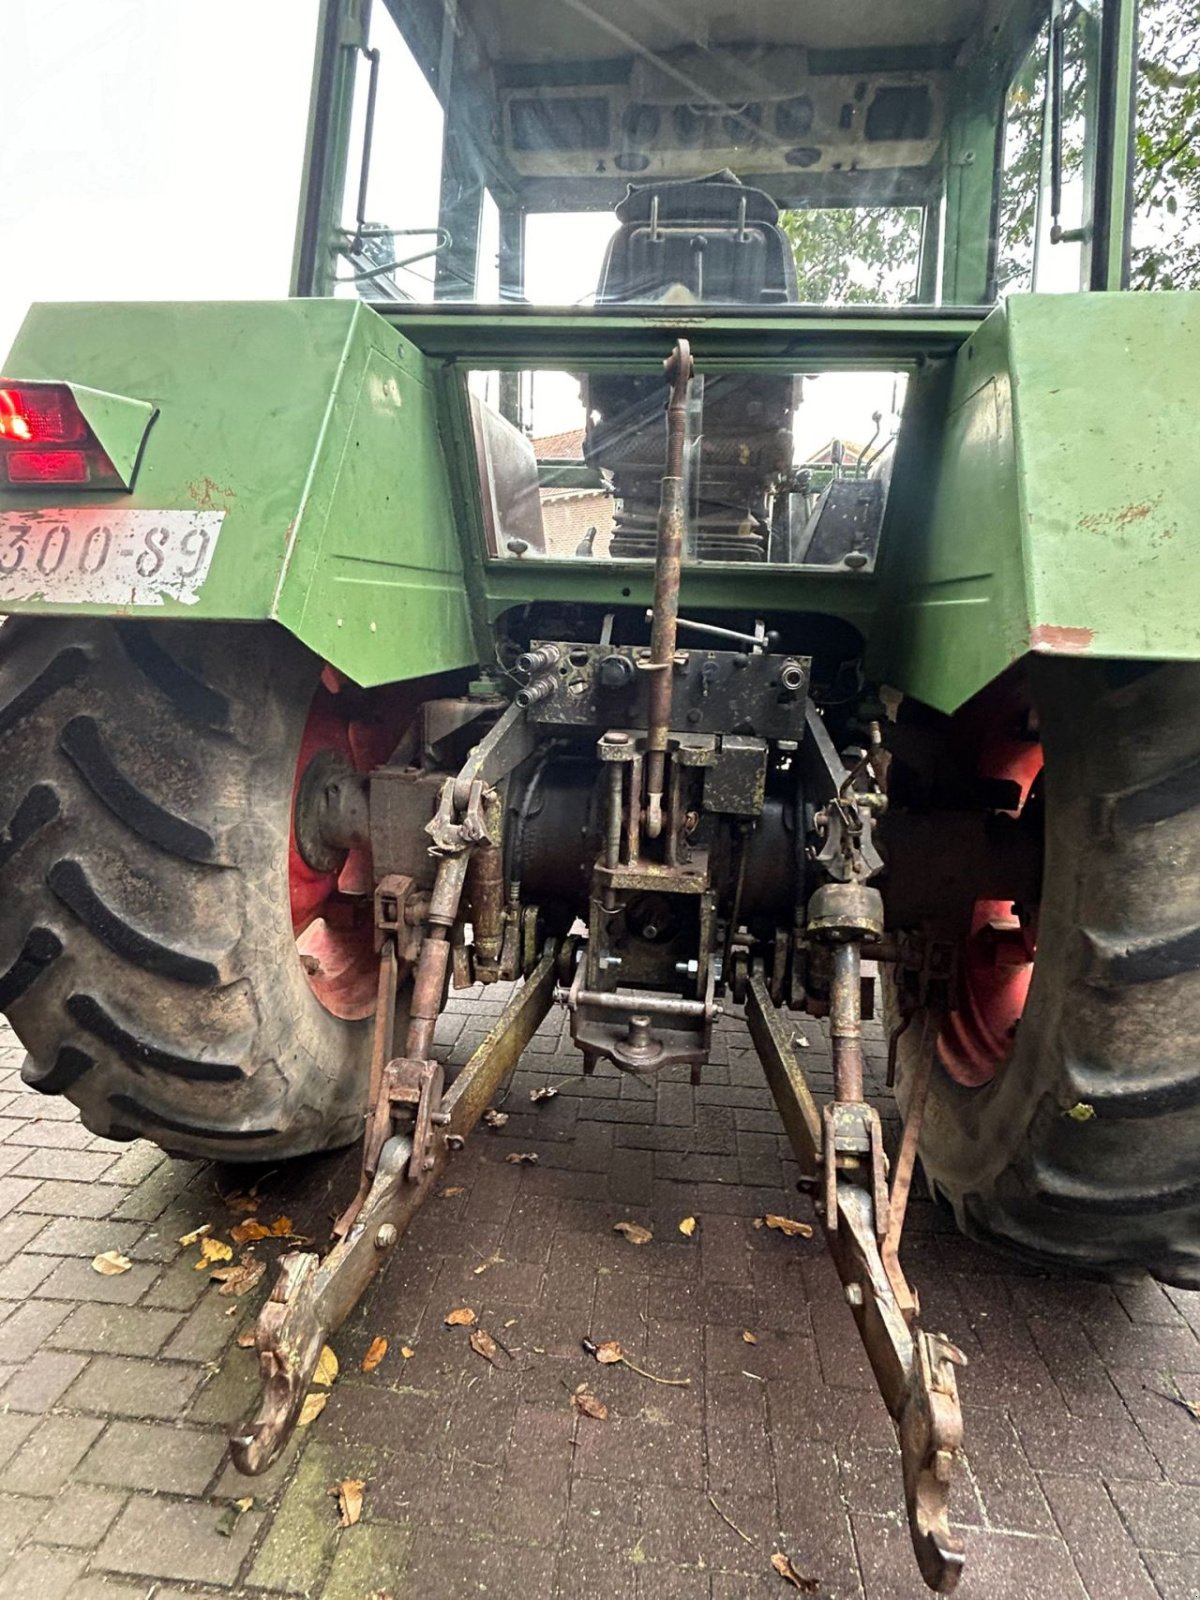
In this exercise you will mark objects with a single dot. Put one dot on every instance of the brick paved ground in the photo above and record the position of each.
(479, 1481)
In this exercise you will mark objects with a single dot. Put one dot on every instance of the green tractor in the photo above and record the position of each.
(661, 557)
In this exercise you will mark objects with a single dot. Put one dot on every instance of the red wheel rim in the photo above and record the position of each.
(332, 913)
(995, 965)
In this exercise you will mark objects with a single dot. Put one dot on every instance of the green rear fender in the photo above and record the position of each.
(294, 472)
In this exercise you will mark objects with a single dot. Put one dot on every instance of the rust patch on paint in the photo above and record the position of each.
(1120, 518)
(1055, 641)
(209, 495)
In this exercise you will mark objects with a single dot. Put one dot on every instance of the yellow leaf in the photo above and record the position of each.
(484, 1345)
(748, 1337)
(634, 1232)
(788, 1573)
(250, 1229)
(212, 1251)
(688, 1227)
(587, 1405)
(609, 1353)
(327, 1368)
(349, 1495)
(111, 1263)
(240, 1279)
(188, 1239)
(281, 1227)
(312, 1408)
(376, 1351)
(460, 1317)
(407, 1351)
(786, 1225)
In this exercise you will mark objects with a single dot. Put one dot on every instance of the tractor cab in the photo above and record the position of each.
(690, 160)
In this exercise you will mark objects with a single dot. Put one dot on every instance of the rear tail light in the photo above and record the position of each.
(46, 439)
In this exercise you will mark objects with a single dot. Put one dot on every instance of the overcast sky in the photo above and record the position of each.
(151, 148)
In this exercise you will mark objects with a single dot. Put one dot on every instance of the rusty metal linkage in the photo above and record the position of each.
(312, 1297)
(914, 1369)
(668, 566)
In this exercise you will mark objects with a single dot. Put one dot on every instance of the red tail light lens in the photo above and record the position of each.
(46, 414)
(47, 466)
(45, 439)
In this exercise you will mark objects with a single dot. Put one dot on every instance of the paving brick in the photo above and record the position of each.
(177, 1539)
(50, 1455)
(155, 1456)
(366, 1557)
(125, 1386)
(46, 1574)
(41, 1381)
(16, 1231)
(79, 1516)
(303, 1535)
(18, 1514)
(113, 1330)
(74, 1280)
(22, 1275)
(55, 1199)
(1105, 1555)
(84, 1236)
(72, 1166)
(1161, 1516)
(24, 1332)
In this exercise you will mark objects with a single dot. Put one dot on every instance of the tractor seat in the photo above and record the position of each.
(698, 239)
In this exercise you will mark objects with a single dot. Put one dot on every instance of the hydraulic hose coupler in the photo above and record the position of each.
(533, 693)
(839, 912)
(533, 662)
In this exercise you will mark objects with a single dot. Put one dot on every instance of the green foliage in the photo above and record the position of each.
(1166, 228)
(865, 255)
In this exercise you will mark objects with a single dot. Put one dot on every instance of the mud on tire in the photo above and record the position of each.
(1084, 1151)
(147, 959)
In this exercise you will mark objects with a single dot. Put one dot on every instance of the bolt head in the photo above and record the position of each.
(854, 1294)
(385, 1236)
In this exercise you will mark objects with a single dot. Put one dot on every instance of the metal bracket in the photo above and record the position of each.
(313, 1297)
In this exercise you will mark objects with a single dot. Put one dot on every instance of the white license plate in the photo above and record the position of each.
(83, 556)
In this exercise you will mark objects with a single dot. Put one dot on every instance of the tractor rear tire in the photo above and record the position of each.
(1083, 1152)
(147, 956)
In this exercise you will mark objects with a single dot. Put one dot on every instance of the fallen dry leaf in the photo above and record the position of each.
(460, 1317)
(111, 1264)
(748, 1337)
(349, 1496)
(376, 1351)
(588, 1406)
(244, 1232)
(212, 1251)
(312, 1408)
(785, 1225)
(494, 1119)
(281, 1227)
(233, 1512)
(196, 1235)
(245, 1339)
(240, 1279)
(546, 1092)
(634, 1232)
(327, 1368)
(687, 1227)
(448, 1194)
(522, 1158)
(407, 1351)
(492, 1261)
(240, 1204)
(609, 1353)
(788, 1573)
(484, 1345)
